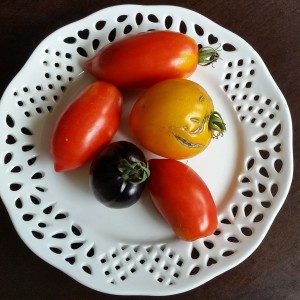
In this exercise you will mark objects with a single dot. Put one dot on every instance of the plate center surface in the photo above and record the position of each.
(218, 166)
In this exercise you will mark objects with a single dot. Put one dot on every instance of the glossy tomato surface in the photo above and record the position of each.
(172, 119)
(182, 198)
(86, 126)
(143, 59)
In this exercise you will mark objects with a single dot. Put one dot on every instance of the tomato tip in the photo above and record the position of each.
(87, 65)
(58, 168)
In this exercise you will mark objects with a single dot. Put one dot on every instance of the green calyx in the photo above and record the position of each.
(208, 55)
(216, 124)
(134, 173)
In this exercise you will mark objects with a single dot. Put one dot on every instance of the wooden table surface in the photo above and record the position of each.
(272, 28)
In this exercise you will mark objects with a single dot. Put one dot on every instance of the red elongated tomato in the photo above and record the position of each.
(182, 198)
(86, 126)
(140, 60)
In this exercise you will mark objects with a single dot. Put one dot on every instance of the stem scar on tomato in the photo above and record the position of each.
(186, 143)
(215, 124)
(201, 128)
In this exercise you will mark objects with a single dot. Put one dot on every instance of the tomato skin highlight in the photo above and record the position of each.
(182, 198)
(141, 60)
(86, 126)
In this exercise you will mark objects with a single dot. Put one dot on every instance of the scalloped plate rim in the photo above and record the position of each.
(284, 192)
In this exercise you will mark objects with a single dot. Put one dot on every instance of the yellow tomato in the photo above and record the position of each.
(175, 119)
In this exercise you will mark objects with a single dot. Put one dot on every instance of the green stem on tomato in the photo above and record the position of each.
(135, 173)
(208, 55)
(216, 124)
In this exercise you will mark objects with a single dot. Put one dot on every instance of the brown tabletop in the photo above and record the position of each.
(272, 29)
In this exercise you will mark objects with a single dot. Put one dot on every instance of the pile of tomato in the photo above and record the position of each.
(174, 118)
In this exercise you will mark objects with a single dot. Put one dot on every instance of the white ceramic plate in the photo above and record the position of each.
(133, 251)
